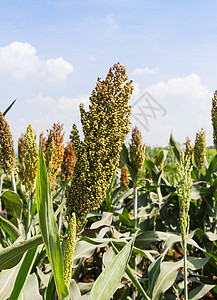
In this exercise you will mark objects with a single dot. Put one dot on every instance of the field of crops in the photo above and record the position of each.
(100, 219)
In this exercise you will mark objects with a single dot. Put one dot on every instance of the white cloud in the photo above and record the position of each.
(20, 62)
(141, 71)
(187, 102)
(189, 86)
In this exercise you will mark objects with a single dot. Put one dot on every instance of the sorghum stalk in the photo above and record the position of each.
(104, 126)
(183, 187)
(137, 158)
(69, 250)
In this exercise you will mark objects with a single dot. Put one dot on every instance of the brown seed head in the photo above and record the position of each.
(200, 149)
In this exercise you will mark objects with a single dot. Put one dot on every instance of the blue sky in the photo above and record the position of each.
(51, 53)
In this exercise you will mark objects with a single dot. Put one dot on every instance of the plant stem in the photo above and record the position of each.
(135, 202)
(185, 271)
(29, 201)
(13, 181)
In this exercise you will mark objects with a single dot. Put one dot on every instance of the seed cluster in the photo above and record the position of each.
(21, 150)
(214, 118)
(105, 126)
(137, 151)
(189, 149)
(200, 149)
(55, 134)
(30, 159)
(124, 178)
(67, 163)
(7, 154)
(183, 188)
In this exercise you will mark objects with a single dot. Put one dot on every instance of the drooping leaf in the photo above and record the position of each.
(10, 228)
(200, 291)
(7, 279)
(11, 255)
(48, 226)
(13, 205)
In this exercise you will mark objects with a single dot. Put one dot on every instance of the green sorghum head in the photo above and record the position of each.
(183, 188)
(69, 250)
(200, 149)
(104, 126)
(214, 118)
(137, 152)
(7, 154)
(56, 135)
(30, 159)
(189, 149)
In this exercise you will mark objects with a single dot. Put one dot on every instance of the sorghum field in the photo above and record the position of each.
(100, 219)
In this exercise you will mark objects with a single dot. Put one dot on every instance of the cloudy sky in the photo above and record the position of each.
(52, 52)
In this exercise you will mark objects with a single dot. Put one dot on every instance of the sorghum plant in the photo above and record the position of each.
(183, 188)
(137, 158)
(200, 149)
(105, 126)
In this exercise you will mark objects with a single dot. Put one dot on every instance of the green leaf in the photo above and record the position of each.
(177, 149)
(133, 278)
(160, 157)
(11, 230)
(48, 226)
(107, 282)
(23, 273)
(200, 291)
(11, 255)
(9, 107)
(13, 205)
(166, 277)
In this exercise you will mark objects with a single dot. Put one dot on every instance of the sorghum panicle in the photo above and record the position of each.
(42, 141)
(105, 126)
(137, 151)
(55, 134)
(200, 149)
(21, 150)
(69, 250)
(67, 163)
(49, 158)
(124, 178)
(183, 188)
(189, 149)
(30, 159)
(7, 154)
